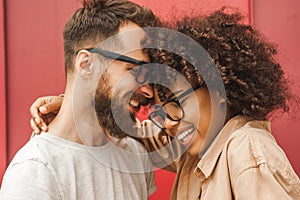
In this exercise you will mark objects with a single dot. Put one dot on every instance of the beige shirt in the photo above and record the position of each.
(243, 162)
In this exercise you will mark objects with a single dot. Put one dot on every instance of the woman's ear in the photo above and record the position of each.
(83, 64)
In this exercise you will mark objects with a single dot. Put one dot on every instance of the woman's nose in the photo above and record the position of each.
(146, 90)
(170, 124)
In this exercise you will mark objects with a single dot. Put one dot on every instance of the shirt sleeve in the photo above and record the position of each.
(29, 180)
(266, 182)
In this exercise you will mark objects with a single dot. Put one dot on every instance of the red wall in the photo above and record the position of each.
(34, 59)
(33, 64)
(3, 132)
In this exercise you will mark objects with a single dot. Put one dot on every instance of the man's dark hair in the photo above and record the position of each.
(97, 20)
(254, 81)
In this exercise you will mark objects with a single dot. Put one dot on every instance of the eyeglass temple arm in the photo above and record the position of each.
(116, 56)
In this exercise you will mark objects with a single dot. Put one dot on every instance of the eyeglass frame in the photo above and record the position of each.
(166, 115)
(122, 58)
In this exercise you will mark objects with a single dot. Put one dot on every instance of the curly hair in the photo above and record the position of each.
(254, 81)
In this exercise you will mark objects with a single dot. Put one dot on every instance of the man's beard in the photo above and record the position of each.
(105, 113)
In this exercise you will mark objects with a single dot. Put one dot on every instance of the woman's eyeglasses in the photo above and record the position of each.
(171, 109)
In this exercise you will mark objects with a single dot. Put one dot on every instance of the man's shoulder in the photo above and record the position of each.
(28, 174)
(29, 152)
(37, 149)
(29, 178)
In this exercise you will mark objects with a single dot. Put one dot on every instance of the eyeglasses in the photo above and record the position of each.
(140, 77)
(170, 109)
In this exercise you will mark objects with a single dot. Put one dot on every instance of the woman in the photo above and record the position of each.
(243, 161)
(236, 158)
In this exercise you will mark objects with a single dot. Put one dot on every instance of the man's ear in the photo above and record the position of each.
(83, 64)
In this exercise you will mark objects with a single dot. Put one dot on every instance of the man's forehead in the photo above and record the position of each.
(131, 35)
(127, 42)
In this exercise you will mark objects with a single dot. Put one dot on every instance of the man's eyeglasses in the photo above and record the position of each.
(171, 109)
(140, 77)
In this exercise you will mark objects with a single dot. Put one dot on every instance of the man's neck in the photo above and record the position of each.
(77, 126)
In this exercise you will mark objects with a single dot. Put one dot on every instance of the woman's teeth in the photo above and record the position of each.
(184, 134)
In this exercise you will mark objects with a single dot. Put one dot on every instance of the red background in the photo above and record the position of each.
(31, 61)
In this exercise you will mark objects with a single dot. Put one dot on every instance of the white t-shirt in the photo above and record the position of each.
(49, 168)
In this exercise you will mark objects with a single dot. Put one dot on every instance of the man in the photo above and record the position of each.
(77, 159)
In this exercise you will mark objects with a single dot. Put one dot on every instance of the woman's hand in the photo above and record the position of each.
(43, 111)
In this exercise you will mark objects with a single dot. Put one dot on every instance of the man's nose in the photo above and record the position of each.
(146, 90)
